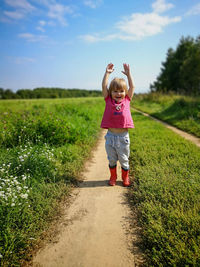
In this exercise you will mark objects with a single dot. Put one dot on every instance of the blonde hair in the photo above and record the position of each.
(117, 84)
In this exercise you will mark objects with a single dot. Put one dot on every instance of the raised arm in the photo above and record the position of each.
(109, 70)
(131, 84)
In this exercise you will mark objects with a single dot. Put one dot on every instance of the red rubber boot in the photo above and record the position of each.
(125, 177)
(113, 177)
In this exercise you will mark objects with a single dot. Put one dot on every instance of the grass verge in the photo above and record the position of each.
(180, 111)
(43, 145)
(166, 193)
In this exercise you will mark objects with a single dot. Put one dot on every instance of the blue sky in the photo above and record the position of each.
(67, 44)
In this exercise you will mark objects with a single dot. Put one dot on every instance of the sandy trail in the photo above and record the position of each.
(95, 230)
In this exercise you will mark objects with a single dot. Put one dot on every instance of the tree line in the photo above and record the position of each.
(180, 73)
(47, 93)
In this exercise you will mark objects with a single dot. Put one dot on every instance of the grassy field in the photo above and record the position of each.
(166, 193)
(180, 111)
(43, 145)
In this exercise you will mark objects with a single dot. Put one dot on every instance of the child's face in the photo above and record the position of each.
(118, 94)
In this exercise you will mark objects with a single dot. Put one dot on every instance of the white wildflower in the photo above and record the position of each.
(24, 177)
(24, 196)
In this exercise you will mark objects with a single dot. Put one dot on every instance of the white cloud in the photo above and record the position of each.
(195, 10)
(89, 38)
(22, 8)
(20, 60)
(51, 23)
(58, 12)
(42, 22)
(39, 28)
(23, 60)
(32, 37)
(18, 14)
(92, 3)
(22, 4)
(40, 38)
(160, 6)
(52, 9)
(138, 25)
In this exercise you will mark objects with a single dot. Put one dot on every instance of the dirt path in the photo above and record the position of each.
(187, 136)
(95, 230)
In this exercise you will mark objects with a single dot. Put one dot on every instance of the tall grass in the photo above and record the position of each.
(166, 193)
(180, 111)
(43, 145)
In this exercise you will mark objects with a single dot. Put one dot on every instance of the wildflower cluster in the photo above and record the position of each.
(16, 176)
(12, 191)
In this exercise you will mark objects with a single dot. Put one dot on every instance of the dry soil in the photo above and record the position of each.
(95, 230)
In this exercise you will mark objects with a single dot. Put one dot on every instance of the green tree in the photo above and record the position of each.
(9, 94)
(25, 93)
(180, 72)
(1, 93)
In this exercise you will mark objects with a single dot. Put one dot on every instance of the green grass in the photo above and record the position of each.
(166, 193)
(180, 111)
(43, 145)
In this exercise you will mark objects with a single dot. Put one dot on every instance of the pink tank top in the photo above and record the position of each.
(117, 115)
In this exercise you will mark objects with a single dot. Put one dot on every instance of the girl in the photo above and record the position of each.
(117, 119)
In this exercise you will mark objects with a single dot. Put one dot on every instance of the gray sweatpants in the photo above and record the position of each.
(118, 148)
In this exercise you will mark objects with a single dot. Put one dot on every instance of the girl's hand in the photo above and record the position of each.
(126, 69)
(110, 68)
